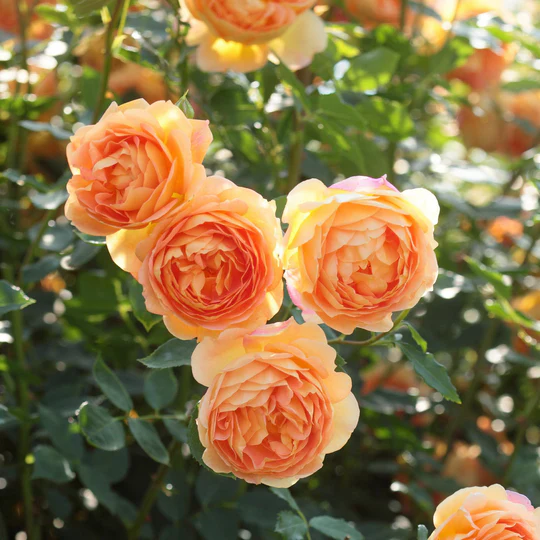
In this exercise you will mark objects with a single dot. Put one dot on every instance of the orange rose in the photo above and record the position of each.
(241, 34)
(505, 122)
(9, 21)
(275, 404)
(486, 512)
(505, 230)
(213, 264)
(373, 12)
(132, 168)
(358, 251)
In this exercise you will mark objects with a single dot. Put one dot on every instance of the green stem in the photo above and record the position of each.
(472, 391)
(402, 14)
(373, 339)
(531, 408)
(297, 149)
(26, 423)
(119, 14)
(151, 494)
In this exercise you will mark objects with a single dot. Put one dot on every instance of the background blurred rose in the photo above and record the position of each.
(9, 20)
(275, 405)
(240, 34)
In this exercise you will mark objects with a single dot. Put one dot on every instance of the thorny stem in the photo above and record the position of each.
(373, 339)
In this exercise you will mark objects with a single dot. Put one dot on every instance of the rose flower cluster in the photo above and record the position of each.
(211, 256)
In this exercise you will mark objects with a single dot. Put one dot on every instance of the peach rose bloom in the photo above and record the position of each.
(275, 404)
(213, 264)
(505, 230)
(358, 251)
(132, 168)
(241, 35)
(486, 513)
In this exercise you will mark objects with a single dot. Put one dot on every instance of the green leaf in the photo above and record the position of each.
(160, 387)
(433, 373)
(12, 298)
(45, 266)
(147, 437)
(288, 78)
(371, 70)
(50, 200)
(177, 429)
(285, 494)
(420, 341)
(291, 526)
(524, 85)
(212, 488)
(111, 386)
(175, 352)
(500, 282)
(195, 446)
(7, 420)
(387, 118)
(136, 299)
(56, 237)
(338, 529)
(89, 239)
(422, 532)
(24, 180)
(81, 254)
(50, 465)
(83, 8)
(503, 310)
(100, 428)
(113, 465)
(62, 434)
(420, 7)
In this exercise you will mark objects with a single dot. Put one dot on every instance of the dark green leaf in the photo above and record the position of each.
(100, 428)
(111, 386)
(338, 529)
(50, 200)
(285, 494)
(7, 420)
(177, 429)
(280, 205)
(371, 70)
(194, 443)
(36, 271)
(500, 282)
(212, 488)
(136, 299)
(89, 239)
(160, 387)
(420, 341)
(63, 435)
(175, 352)
(81, 254)
(147, 437)
(12, 298)
(433, 373)
(51, 465)
(55, 131)
(291, 526)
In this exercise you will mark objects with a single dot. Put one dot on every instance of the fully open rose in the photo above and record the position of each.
(241, 34)
(213, 264)
(275, 404)
(486, 513)
(133, 167)
(358, 251)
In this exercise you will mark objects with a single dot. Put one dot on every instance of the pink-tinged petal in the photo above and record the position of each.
(200, 139)
(358, 183)
(296, 298)
(122, 247)
(215, 55)
(518, 498)
(301, 42)
(346, 416)
(425, 201)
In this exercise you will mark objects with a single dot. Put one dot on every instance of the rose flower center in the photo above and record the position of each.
(270, 415)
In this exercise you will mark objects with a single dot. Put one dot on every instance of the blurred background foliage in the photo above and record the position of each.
(438, 96)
